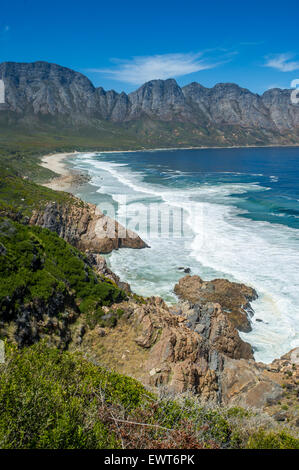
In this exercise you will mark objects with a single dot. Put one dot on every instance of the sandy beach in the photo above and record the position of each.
(68, 180)
(54, 162)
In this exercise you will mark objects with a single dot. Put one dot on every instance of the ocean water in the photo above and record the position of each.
(230, 213)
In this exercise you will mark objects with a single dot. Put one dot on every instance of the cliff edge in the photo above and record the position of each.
(84, 226)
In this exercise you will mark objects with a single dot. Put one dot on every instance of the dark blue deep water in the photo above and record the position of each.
(273, 169)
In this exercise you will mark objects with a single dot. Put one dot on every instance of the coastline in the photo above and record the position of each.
(67, 180)
(160, 149)
(63, 164)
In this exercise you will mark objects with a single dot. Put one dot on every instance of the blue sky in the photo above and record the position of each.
(122, 44)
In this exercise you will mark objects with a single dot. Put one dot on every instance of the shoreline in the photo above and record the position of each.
(67, 180)
(194, 148)
(59, 163)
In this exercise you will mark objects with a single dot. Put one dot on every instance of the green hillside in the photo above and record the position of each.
(43, 278)
(59, 400)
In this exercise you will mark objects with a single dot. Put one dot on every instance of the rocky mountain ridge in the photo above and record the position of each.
(36, 90)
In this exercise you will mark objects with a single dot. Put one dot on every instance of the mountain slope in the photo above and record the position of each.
(47, 97)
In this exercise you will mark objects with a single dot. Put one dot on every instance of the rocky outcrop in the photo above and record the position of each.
(157, 347)
(99, 264)
(47, 89)
(159, 99)
(31, 321)
(247, 383)
(210, 321)
(227, 103)
(272, 386)
(85, 227)
(224, 115)
(234, 298)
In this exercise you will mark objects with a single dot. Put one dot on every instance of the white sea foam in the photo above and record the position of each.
(218, 242)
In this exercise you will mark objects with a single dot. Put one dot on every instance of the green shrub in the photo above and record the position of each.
(57, 399)
(35, 263)
(272, 440)
(18, 195)
(94, 317)
(50, 399)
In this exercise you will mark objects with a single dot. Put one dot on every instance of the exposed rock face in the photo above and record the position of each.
(212, 323)
(282, 112)
(226, 111)
(158, 348)
(45, 88)
(192, 347)
(274, 386)
(234, 298)
(247, 383)
(227, 103)
(160, 99)
(99, 264)
(85, 227)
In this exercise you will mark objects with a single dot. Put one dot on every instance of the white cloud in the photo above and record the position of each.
(282, 62)
(4, 31)
(142, 69)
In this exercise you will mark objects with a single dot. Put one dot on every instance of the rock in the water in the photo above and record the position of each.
(234, 298)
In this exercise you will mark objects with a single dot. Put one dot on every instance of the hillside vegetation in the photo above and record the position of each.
(43, 278)
(52, 398)
(55, 399)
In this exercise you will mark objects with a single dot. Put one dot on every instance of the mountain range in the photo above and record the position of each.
(45, 97)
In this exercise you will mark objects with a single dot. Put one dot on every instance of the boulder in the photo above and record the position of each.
(234, 298)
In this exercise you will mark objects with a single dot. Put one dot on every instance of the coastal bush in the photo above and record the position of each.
(50, 399)
(272, 440)
(21, 196)
(57, 399)
(96, 316)
(42, 273)
(210, 425)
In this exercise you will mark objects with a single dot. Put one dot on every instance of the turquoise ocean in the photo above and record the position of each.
(231, 213)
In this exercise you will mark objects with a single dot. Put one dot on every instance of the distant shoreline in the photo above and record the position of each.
(194, 148)
(68, 180)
